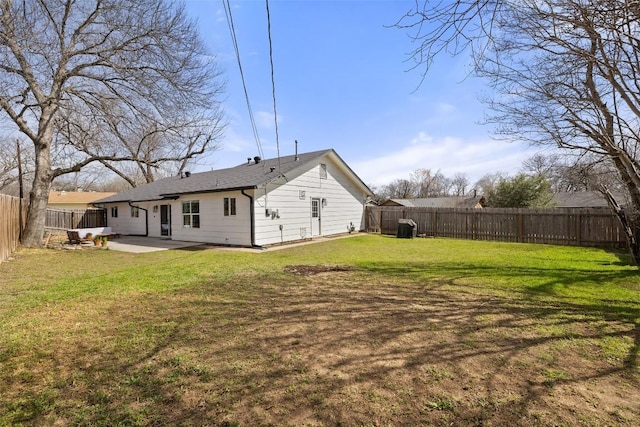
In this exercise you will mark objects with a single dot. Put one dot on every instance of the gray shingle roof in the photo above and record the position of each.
(245, 176)
(440, 202)
(584, 199)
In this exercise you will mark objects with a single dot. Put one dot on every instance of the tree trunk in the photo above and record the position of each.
(39, 197)
(630, 224)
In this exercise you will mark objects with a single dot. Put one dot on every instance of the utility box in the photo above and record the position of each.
(407, 229)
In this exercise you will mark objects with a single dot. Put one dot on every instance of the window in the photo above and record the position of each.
(135, 212)
(191, 214)
(114, 212)
(323, 171)
(229, 206)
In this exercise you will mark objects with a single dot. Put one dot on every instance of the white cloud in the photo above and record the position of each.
(449, 155)
(264, 119)
(445, 108)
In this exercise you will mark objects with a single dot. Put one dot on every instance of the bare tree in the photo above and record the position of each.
(488, 182)
(8, 166)
(399, 189)
(542, 165)
(77, 77)
(430, 184)
(459, 184)
(564, 72)
(586, 172)
(9, 170)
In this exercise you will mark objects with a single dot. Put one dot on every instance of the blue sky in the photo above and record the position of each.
(342, 82)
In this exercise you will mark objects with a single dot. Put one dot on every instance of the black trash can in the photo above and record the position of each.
(407, 229)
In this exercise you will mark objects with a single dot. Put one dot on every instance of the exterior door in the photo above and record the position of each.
(315, 217)
(165, 220)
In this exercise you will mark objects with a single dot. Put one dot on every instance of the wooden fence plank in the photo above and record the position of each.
(574, 227)
(13, 214)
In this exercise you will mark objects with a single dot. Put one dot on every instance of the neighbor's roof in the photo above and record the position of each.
(437, 202)
(583, 199)
(244, 176)
(76, 197)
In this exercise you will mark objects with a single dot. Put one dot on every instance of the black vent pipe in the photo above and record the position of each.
(146, 221)
(252, 215)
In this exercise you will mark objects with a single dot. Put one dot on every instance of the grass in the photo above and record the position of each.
(369, 330)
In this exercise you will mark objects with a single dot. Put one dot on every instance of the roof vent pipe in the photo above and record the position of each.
(297, 151)
(248, 160)
(257, 159)
(187, 174)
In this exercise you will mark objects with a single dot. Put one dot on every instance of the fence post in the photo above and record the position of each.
(474, 225)
(578, 229)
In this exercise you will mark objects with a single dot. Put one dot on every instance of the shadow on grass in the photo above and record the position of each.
(591, 288)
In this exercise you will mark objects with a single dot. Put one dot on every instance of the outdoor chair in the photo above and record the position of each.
(74, 237)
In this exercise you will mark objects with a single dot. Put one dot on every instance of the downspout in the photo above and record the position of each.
(146, 221)
(252, 215)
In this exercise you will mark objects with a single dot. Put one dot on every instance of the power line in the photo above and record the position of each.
(273, 83)
(254, 128)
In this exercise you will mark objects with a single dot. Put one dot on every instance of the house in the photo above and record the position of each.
(257, 203)
(438, 202)
(70, 200)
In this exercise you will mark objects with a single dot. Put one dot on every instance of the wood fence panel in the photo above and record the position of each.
(13, 214)
(77, 218)
(389, 220)
(600, 227)
(574, 227)
(500, 225)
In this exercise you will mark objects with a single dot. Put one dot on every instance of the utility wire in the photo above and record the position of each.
(273, 83)
(232, 30)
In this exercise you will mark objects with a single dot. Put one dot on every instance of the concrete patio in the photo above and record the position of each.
(141, 244)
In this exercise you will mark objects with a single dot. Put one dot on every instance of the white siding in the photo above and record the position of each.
(344, 206)
(124, 223)
(214, 226)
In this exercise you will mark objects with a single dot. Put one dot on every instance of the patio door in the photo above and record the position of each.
(165, 220)
(315, 217)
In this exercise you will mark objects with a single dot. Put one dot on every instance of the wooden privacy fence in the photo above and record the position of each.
(77, 218)
(13, 214)
(573, 227)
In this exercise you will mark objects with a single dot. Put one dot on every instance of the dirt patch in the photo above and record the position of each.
(311, 270)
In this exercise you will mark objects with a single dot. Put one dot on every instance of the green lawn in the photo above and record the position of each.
(367, 330)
